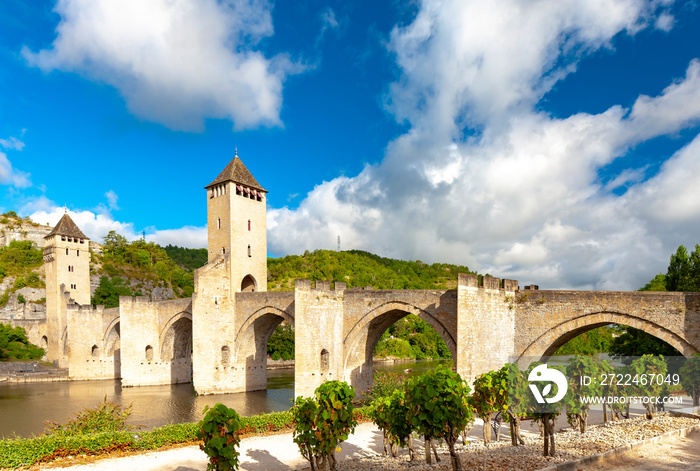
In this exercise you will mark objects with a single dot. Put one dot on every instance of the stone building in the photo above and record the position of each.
(218, 338)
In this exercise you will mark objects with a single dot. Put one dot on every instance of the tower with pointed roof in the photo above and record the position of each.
(237, 227)
(67, 268)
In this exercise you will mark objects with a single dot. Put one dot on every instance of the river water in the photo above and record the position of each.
(24, 407)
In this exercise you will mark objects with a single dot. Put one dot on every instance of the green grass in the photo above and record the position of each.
(18, 452)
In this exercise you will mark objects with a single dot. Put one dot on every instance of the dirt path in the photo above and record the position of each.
(682, 454)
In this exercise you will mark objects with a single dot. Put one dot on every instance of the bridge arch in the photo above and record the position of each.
(250, 353)
(363, 337)
(176, 337)
(548, 343)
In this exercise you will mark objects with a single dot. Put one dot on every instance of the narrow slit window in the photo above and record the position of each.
(218, 223)
(248, 224)
(66, 251)
(249, 252)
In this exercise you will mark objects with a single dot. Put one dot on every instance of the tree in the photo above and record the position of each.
(321, 423)
(518, 401)
(109, 290)
(439, 407)
(490, 395)
(684, 270)
(547, 414)
(15, 346)
(578, 368)
(281, 343)
(643, 373)
(690, 378)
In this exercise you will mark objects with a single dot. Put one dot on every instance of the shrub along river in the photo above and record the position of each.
(24, 407)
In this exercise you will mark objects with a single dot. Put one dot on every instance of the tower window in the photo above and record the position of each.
(248, 224)
(81, 241)
(218, 223)
(63, 238)
(77, 253)
(66, 251)
(249, 253)
(223, 250)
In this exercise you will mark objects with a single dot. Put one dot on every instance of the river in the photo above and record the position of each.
(24, 407)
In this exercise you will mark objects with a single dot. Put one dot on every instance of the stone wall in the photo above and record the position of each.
(91, 351)
(156, 341)
(546, 320)
(318, 346)
(367, 313)
(485, 324)
(213, 328)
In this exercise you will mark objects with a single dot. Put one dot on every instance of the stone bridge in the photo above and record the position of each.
(484, 326)
(218, 339)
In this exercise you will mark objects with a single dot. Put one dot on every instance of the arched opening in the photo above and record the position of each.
(177, 343)
(45, 345)
(325, 361)
(253, 340)
(64, 342)
(248, 284)
(149, 353)
(112, 343)
(225, 355)
(375, 325)
(549, 342)
(176, 347)
(95, 351)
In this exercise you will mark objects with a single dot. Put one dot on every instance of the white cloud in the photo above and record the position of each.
(112, 200)
(175, 62)
(521, 198)
(12, 143)
(97, 225)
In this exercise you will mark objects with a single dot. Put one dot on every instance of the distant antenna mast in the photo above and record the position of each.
(144, 235)
(338, 243)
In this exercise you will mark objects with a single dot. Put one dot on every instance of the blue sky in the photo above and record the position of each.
(554, 142)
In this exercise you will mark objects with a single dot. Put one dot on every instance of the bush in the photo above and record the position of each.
(106, 416)
(384, 384)
(322, 423)
(15, 346)
(219, 430)
(439, 408)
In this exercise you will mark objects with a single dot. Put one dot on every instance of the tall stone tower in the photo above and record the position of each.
(67, 268)
(237, 226)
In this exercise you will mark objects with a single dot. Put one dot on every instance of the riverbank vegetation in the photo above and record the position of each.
(15, 346)
(102, 430)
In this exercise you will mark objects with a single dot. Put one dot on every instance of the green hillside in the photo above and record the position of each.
(358, 268)
(137, 268)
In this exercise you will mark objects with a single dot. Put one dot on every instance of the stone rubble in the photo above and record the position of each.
(570, 445)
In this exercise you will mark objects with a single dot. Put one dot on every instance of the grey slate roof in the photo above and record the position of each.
(236, 172)
(66, 227)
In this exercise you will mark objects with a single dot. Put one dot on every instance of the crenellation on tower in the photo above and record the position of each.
(67, 268)
(237, 226)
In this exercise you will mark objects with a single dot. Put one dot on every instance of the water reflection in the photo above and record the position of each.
(25, 407)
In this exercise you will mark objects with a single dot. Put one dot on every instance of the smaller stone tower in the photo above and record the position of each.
(67, 268)
(237, 226)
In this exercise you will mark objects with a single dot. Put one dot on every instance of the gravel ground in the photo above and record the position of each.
(570, 445)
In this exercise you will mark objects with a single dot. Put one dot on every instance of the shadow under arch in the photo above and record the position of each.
(548, 343)
(171, 321)
(113, 326)
(250, 345)
(369, 329)
(176, 347)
